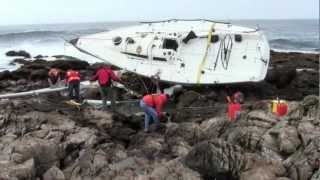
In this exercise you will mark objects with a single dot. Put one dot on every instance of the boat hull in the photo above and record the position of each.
(186, 52)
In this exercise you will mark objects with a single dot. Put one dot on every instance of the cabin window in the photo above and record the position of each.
(117, 40)
(129, 40)
(170, 44)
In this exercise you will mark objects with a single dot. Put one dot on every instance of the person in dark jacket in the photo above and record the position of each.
(73, 82)
(105, 76)
(152, 105)
(54, 75)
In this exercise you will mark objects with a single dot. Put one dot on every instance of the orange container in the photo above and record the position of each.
(279, 107)
(282, 109)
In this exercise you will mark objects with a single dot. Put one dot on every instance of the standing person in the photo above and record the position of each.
(234, 106)
(105, 76)
(73, 82)
(152, 105)
(54, 77)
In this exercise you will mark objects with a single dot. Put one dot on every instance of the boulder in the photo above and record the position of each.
(216, 159)
(5, 75)
(190, 132)
(288, 140)
(44, 153)
(53, 173)
(12, 171)
(174, 169)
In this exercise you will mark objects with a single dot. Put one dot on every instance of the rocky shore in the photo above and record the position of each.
(43, 138)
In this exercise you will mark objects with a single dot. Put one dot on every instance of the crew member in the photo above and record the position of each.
(234, 106)
(73, 82)
(152, 105)
(54, 77)
(105, 76)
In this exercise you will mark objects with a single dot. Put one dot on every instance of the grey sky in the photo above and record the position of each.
(59, 11)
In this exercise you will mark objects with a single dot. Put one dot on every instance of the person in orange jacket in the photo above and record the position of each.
(73, 82)
(152, 105)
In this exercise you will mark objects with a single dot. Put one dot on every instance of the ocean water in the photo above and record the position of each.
(283, 35)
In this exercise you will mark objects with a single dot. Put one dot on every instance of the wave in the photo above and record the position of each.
(44, 36)
(295, 44)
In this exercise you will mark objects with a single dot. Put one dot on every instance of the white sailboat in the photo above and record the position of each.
(184, 51)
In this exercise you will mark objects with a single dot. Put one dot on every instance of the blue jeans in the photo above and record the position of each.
(149, 112)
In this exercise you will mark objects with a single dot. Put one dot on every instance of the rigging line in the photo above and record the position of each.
(206, 53)
(224, 52)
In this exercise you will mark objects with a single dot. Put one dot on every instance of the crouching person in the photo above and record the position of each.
(152, 105)
(54, 79)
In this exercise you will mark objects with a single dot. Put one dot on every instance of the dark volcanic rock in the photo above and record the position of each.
(67, 64)
(216, 159)
(18, 53)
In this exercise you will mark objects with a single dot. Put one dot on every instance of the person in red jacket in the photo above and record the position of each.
(105, 76)
(152, 105)
(73, 82)
(234, 106)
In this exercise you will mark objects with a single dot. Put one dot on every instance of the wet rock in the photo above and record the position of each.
(18, 53)
(67, 64)
(281, 77)
(5, 75)
(39, 74)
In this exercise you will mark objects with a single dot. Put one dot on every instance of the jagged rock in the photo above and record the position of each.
(300, 164)
(186, 99)
(39, 74)
(174, 169)
(190, 132)
(248, 131)
(216, 159)
(214, 127)
(288, 139)
(281, 76)
(53, 173)
(5, 75)
(307, 132)
(149, 146)
(67, 64)
(271, 172)
(18, 53)
(44, 153)
(11, 171)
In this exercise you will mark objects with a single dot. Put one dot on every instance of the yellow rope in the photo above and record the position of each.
(205, 55)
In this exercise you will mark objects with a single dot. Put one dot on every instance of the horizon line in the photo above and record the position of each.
(138, 21)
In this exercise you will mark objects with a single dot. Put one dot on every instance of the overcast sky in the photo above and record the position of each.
(67, 11)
